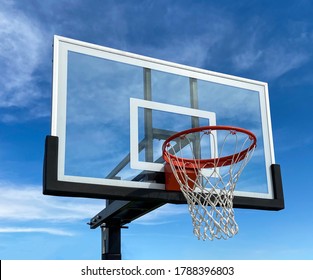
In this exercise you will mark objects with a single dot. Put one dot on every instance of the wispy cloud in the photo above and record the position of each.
(27, 203)
(22, 47)
(51, 231)
(278, 60)
(20, 52)
(273, 57)
(196, 49)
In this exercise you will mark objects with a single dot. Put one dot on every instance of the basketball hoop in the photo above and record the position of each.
(205, 164)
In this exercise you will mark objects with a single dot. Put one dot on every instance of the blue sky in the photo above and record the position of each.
(269, 41)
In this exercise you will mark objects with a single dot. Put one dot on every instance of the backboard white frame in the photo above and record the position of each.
(58, 123)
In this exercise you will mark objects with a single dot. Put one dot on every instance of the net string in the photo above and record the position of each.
(210, 194)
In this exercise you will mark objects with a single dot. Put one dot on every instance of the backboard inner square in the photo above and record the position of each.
(158, 131)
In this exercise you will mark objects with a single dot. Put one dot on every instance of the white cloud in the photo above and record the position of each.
(275, 57)
(51, 231)
(21, 51)
(195, 50)
(278, 61)
(27, 203)
(247, 59)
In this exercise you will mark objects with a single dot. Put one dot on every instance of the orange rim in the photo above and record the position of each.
(212, 162)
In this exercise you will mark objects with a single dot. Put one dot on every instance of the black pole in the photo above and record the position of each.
(111, 242)
(111, 239)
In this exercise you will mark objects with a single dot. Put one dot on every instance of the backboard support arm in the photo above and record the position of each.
(112, 219)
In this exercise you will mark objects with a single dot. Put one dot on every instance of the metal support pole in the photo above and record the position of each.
(111, 242)
(148, 115)
(111, 239)
(195, 122)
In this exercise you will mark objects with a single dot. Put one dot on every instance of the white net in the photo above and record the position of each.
(207, 165)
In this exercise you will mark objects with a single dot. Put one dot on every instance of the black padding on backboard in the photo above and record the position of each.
(52, 186)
